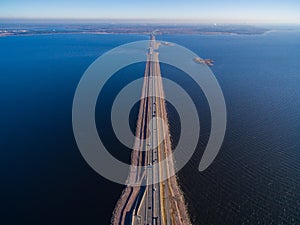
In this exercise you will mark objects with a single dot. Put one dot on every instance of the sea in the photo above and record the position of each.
(255, 178)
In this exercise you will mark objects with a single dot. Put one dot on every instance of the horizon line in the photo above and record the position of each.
(154, 20)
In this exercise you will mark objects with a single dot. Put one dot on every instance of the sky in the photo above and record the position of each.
(239, 11)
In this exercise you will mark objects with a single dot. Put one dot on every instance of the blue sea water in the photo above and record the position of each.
(254, 180)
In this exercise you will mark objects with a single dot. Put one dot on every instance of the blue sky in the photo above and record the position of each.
(273, 11)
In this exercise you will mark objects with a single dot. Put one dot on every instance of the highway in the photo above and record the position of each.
(154, 203)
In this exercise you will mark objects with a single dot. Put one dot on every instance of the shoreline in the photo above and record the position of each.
(49, 29)
(133, 33)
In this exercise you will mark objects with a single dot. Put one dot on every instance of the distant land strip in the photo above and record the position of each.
(40, 29)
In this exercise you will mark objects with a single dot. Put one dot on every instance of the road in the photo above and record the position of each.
(154, 203)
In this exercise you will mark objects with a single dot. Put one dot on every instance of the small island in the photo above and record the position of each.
(208, 62)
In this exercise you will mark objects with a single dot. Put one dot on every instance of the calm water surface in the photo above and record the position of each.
(254, 180)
